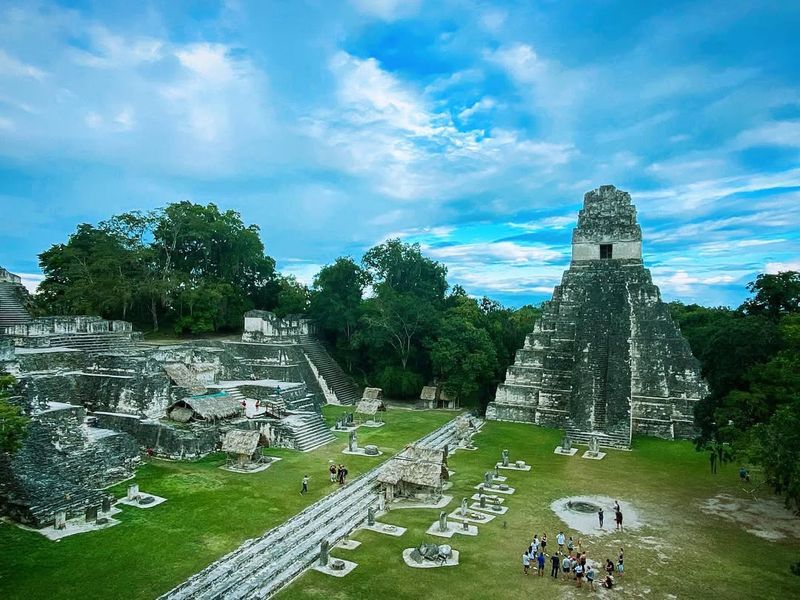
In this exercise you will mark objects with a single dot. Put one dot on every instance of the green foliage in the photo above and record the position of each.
(463, 355)
(400, 383)
(13, 424)
(774, 294)
(292, 297)
(191, 265)
(751, 359)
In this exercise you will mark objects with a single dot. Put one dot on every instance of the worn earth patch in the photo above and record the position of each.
(766, 518)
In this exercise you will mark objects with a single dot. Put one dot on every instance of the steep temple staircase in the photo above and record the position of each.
(339, 382)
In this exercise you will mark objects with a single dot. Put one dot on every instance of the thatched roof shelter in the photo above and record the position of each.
(416, 465)
(368, 407)
(241, 442)
(212, 407)
(372, 394)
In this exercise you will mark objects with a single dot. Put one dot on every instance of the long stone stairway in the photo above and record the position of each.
(92, 342)
(605, 439)
(11, 310)
(260, 567)
(342, 385)
(308, 430)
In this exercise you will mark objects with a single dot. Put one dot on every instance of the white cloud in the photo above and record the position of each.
(496, 251)
(387, 10)
(112, 51)
(31, 281)
(778, 133)
(557, 222)
(779, 267)
(12, 67)
(303, 271)
(481, 105)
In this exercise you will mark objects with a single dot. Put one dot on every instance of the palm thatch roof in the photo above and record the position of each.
(240, 441)
(429, 392)
(211, 407)
(416, 465)
(368, 407)
(372, 394)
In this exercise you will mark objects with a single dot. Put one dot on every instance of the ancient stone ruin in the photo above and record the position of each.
(98, 395)
(605, 358)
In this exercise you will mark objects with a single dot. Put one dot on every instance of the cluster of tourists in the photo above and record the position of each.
(338, 474)
(569, 562)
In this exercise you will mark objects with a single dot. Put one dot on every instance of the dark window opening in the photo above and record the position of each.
(606, 251)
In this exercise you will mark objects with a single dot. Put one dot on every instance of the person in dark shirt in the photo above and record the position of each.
(554, 562)
(600, 517)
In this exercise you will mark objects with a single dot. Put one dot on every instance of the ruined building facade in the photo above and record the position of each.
(605, 358)
(97, 394)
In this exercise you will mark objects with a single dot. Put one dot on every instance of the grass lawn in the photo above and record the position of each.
(209, 512)
(680, 552)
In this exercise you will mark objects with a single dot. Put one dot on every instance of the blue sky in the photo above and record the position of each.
(473, 128)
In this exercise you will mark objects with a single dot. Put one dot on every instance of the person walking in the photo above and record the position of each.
(560, 541)
(570, 545)
(590, 577)
(600, 516)
(554, 563)
(526, 562)
(304, 489)
(619, 520)
(540, 563)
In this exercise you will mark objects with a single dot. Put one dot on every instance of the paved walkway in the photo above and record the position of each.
(260, 567)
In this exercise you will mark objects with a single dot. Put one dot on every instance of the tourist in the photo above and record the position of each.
(149, 452)
(560, 541)
(340, 474)
(305, 485)
(609, 566)
(744, 475)
(344, 474)
(565, 566)
(332, 472)
(526, 562)
(570, 545)
(616, 505)
(580, 546)
(600, 516)
(579, 574)
(583, 560)
(554, 562)
(535, 542)
(608, 582)
(543, 543)
(540, 562)
(619, 520)
(620, 567)
(590, 577)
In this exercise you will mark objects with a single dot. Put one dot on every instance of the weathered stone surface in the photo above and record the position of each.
(605, 357)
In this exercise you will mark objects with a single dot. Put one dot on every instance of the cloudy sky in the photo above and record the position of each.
(473, 128)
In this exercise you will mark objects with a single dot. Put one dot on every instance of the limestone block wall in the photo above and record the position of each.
(62, 466)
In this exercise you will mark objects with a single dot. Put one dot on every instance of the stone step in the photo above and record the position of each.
(260, 567)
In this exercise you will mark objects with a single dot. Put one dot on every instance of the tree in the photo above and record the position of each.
(336, 296)
(403, 269)
(13, 424)
(463, 355)
(292, 297)
(775, 295)
(776, 447)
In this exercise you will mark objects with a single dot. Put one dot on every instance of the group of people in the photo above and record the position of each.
(570, 562)
(338, 473)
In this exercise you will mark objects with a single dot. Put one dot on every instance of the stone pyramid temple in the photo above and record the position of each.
(605, 359)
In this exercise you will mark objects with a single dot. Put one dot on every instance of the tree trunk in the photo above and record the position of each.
(154, 313)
